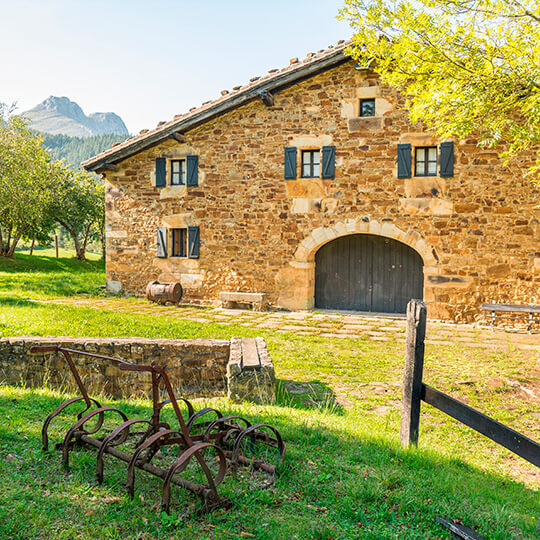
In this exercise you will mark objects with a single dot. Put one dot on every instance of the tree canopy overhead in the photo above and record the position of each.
(464, 66)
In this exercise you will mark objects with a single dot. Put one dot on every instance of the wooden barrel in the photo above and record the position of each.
(164, 292)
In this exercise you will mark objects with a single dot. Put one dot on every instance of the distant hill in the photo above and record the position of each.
(61, 116)
(77, 149)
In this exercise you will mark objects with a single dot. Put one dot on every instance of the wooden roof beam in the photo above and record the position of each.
(178, 137)
(267, 98)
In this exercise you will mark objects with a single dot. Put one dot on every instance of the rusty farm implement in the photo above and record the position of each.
(193, 453)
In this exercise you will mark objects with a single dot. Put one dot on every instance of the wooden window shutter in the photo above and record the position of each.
(193, 242)
(328, 162)
(447, 159)
(161, 172)
(403, 160)
(290, 163)
(162, 242)
(192, 165)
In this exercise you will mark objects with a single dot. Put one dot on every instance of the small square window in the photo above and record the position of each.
(367, 107)
(178, 172)
(179, 247)
(425, 161)
(311, 163)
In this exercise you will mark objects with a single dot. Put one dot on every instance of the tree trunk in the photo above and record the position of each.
(79, 250)
(14, 242)
(102, 239)
(32, 246)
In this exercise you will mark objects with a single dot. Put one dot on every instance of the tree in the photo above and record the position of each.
(28, 183)
(79, 206)
(464, 66)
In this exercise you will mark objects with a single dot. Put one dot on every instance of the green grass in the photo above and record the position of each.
(345, 475)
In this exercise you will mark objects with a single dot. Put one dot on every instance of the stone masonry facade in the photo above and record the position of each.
(477, 232)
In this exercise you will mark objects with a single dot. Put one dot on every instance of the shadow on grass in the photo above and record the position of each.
(13, 301)
(336, 482)
(307, 395)
(40, 263)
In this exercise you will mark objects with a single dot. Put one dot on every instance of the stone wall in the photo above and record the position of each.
(477, 232)
(196, 367)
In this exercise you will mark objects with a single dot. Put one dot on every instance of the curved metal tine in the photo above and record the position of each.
(101, 411)
(257, 463)
(112, 440)
(130, 482)
(56, 412)
(190, 408)
(200, 413)
(221, 420)
(181, 463)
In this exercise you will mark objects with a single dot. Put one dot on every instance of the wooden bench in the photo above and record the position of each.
(232, 300)
(512, 308)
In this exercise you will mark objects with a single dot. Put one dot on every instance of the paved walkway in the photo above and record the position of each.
(325, 324)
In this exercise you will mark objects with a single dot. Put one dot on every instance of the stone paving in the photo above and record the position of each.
(376, 327)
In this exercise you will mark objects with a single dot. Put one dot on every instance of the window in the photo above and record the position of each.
(367, 107)
(178, 172)
(311, 163)
(179, 248)
(425, 161)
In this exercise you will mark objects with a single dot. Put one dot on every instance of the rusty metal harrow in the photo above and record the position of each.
(207, 442)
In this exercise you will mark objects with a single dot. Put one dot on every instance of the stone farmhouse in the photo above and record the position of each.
(310, 185)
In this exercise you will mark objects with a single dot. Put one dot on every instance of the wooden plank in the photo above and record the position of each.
(412, 372)
(250, 354)
(501, 434)
(517, 308)
(458, 530)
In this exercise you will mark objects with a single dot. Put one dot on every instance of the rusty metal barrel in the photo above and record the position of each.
(162, 293)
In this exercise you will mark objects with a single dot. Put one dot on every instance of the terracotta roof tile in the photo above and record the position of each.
(165, 127)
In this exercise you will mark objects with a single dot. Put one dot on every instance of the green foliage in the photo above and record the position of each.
(28, 183)
(78, 149)
(79, 206)
(465, 67)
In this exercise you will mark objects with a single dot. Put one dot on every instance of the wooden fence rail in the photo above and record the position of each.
(415, 391)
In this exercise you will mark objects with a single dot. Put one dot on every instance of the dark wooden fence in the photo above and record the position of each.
(415, 391)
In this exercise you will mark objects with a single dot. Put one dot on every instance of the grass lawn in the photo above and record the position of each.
(345, 475)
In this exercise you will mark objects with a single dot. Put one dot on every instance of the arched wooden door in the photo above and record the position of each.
(364, 272)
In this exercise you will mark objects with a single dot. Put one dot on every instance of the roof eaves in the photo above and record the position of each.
(278, 80)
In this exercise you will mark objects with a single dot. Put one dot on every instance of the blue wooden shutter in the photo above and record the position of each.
(162, 242)
(403, 160)
(328, 162)
(193, 242)
(161, 171)
(447, 159)
(290, 163)
(192, 164)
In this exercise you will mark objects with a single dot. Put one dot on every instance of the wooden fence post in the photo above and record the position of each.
(56, 244)
(412, 372)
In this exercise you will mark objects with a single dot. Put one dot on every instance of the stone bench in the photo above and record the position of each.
(232, 300)
(250, 372)
(530, 309)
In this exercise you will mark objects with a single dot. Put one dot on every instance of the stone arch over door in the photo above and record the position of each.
(296, 283)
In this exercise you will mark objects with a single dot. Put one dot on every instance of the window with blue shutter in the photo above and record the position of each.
(404, 160)
(447, 159)
(162, 242)
(290, 163)
(193, 242)
(328, 162)
(161, 172)
(192, 165)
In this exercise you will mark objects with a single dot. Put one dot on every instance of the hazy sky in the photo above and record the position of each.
(149, 60)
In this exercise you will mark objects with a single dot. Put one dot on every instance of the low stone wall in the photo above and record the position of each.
(196, 367)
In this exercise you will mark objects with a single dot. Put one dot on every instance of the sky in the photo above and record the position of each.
(149, 60)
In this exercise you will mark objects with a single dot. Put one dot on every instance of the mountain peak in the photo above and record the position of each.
(60, 115)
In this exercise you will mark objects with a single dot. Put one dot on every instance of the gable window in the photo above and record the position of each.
(178, 172)
(179, 241)
(311, 163)
(425, 161)
(367, 107)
